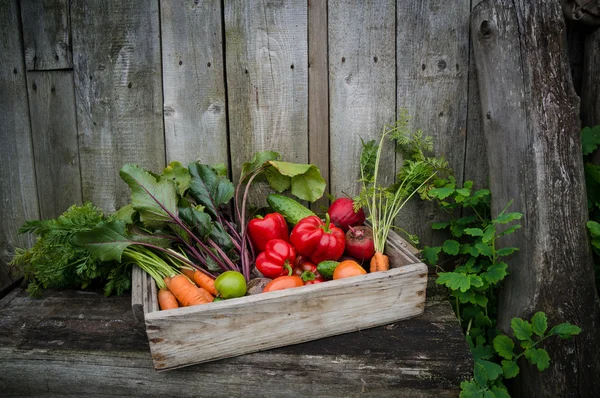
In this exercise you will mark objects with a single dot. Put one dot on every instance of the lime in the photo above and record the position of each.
(231, 284)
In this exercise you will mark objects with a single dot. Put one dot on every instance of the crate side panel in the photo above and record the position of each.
(213, 331)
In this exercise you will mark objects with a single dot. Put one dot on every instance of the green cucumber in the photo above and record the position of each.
(290, 209)
(326, 268)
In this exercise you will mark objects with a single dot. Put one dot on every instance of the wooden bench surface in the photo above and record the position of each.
(81, 343)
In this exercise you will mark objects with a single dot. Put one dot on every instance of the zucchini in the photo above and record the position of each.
(290, 209)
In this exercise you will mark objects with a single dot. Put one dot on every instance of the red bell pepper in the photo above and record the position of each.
(261, 230)
(277, 259)
(307, 271)
(317, 240)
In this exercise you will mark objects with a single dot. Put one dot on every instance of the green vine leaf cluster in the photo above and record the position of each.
(590, 140)
(471, 264)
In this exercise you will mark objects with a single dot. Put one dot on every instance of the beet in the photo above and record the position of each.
(342, 215)
(359, 243)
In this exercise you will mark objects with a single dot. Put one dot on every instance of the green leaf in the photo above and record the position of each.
(495, 273)
(451, 247)
(539, 323)
(277, 181)
(463, 191)
(521, 328)
(466, 220)
(482, 351)
(489, 233)
(124, 214)
(220, 168)
(179, 174)
(539, 357)
(475, 280)
(221, 237)
(590, 139)
(505, 251)
(258, 160)
(457, 230)
(510, 230)
(106, 241)
(492, 370)
(440, 225)
(594, 228)
(565, 330)
(510, 369)
(209, 189)
(155, 198)
(500, 392)
(507, 217)
(470, 389)
(481, 300)
(504, 346)
(198, 220)
(454, 281)
(306, 180)
(430, 254)
(484, 249)
(466, 297)
(474, 231)
(368, 157)
(441, 193)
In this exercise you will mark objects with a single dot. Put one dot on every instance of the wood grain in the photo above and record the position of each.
(318, 94)
(267, 79)
(118, 91)
(54, 130)
(82, 342)
(46, 34)
(362, 87)
(432, 52)
(224, 329)
(534, 152)
(18, 193)
(475, 164)
(193, 81)
(590, 86)
(138, 278)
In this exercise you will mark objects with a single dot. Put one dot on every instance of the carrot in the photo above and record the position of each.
(380, 262)
(166, 300)
(188, 272)
(205, 282)
(206, 295)
(185, 291)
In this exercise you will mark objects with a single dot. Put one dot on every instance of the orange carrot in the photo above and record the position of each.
(380, 262)
(205, 282)
(166, 300)
(188, 272)
(185, 291)
(206, 295)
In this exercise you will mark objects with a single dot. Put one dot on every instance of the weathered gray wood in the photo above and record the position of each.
(138, 277)
(361, 87)
(475, 163)
(534, 151)
(318, 94)
(225, 329)
(54, 131)
(116, 52)
(590, 87)
(18, 193)
(46, 34)
(432, 53)
(267, 79)
(82, 342)
(193, 81)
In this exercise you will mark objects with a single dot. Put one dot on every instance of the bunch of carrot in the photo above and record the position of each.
(190, 288)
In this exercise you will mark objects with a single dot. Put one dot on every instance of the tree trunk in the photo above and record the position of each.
(590, 91)
(531, 122)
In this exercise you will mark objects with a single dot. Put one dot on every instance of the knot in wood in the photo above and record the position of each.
(485, 29)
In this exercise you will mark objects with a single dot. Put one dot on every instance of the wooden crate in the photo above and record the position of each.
(207, 332)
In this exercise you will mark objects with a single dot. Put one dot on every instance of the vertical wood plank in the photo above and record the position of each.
(318, 93)
(590, 87)
(475, 165)
(18, 193)
(54, 132)
(117, 65)
(46, 34)
(432, 70)
(267, 79)
(193, 81)
(362, 86)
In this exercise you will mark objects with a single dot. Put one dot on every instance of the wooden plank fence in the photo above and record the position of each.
(89, 86)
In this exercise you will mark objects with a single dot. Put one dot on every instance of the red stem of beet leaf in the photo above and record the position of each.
(178, 221)
(245, 255)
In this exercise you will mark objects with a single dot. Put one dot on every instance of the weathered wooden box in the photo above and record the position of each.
(207, 332)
